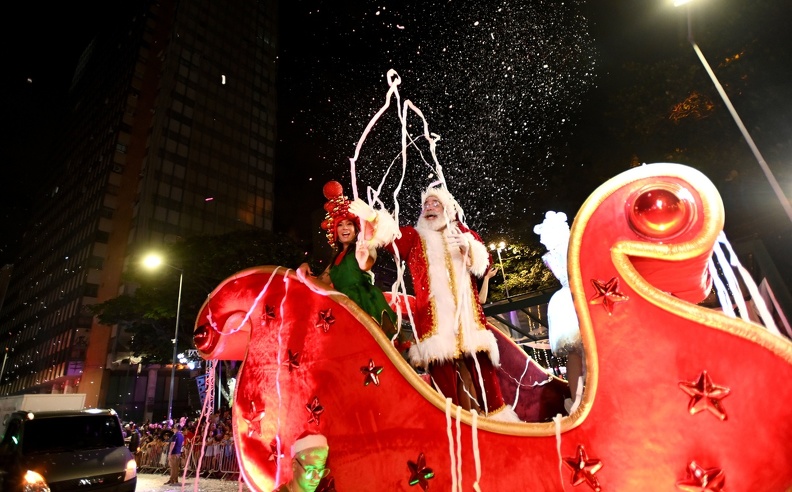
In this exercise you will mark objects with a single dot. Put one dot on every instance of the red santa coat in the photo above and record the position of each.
(449, 320)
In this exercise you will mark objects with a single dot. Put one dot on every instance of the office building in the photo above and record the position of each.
(170, 133)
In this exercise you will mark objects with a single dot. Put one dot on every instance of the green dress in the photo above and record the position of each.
(349, 279)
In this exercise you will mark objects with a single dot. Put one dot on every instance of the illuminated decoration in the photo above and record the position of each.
(325, 320)
(205, 338)
(661, 212)
(315, 410)
(273, 451)
(702, 480)
(704, 395)
(419, 473)
(293, 360)
(631, 416)
(696, 106)
(268, 315)
(254, 423)
(371, 373)
(584, 469)
(607, 294)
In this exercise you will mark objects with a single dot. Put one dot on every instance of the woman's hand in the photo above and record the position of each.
(303, 271)
(364, 255)
(491, 273)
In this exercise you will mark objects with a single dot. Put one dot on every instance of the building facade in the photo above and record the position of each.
(171, 133)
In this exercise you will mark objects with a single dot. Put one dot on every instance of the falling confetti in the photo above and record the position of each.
(498, 82)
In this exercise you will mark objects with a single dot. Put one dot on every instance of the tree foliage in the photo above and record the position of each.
(148, 314)
(523, 271)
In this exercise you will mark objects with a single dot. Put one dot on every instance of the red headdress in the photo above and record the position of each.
(337, 208)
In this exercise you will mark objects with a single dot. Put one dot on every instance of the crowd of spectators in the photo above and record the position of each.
(154, 437)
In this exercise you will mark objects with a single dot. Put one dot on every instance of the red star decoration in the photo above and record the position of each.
(254, 423)
(315, 409)
(704, 395)
(583, 469)
(371, 373)
(273, 452)
(268, 314)
(293, 361)
(325, 320)
(419, 473)
(701, 480)
(607, 293)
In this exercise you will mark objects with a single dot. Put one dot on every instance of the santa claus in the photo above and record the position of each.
(444, 257)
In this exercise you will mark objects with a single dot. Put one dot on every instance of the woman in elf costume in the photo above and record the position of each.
(349, 271)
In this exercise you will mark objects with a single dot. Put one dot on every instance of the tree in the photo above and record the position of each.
(523, 270)
(148, 315)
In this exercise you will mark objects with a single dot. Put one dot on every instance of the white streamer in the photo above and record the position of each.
(459, 443)
(557, 421)
(451, 454)
(476, 455)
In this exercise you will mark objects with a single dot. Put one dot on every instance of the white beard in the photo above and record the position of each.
(431, 225)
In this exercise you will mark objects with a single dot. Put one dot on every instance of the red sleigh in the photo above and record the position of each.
(677, 396)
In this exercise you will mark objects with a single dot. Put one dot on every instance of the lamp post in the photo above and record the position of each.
(765, 168)
(153, 261)
(501, 246)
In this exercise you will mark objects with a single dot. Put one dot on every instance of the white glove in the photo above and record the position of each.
(362, 210)
(459, 240)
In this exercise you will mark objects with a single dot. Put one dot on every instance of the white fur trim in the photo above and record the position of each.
(479, 256)
(308, 442)
(385, 229)
(506, 414)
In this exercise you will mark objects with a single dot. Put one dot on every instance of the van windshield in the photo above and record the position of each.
(58, 434)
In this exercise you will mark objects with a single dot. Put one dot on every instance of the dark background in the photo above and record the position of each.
(511, 148)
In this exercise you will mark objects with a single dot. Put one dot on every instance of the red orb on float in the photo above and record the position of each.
(661, 212)
(332, 189)
(205, 338)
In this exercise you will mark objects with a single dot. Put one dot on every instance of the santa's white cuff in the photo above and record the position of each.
(479, 256)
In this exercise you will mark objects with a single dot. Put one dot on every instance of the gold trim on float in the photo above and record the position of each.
(712, 225)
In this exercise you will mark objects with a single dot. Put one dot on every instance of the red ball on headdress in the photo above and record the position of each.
(329, 206)
(332, 189)
(325, 224)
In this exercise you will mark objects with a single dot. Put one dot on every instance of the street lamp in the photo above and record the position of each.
(154, 261)
(501, 246)
(765, 168)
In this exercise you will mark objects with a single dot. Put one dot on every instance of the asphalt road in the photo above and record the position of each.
(155, 482)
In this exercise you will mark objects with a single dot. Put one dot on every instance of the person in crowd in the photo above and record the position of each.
(443, 257)
(174, 455)
(349, 270)
(309, 463)
(134, 441)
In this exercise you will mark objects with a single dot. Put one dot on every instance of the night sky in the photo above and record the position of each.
(502, 82)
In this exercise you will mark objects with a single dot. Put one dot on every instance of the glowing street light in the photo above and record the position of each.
(152, 262)
(501, 246)
(765, 168)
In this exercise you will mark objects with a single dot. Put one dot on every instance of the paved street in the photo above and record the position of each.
(155, 482)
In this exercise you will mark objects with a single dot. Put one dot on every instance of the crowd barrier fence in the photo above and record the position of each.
(218, 461)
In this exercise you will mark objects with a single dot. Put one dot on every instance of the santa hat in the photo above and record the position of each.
(337, 208)
(308, 441)
(450, 205)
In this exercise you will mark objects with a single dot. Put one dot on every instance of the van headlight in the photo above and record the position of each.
(34, 482)
(131, 470)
